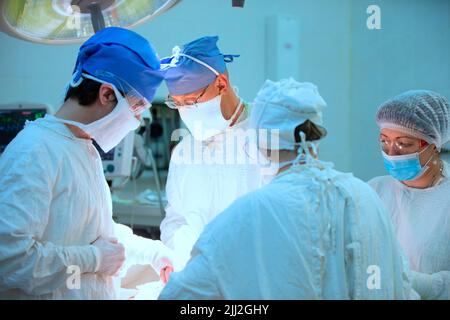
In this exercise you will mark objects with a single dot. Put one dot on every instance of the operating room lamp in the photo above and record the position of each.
(71, 21)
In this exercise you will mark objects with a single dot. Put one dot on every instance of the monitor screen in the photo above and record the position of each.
(12, 121)
(105, 156)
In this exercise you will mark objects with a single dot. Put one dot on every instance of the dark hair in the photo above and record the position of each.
(86, 92)
(311, 131)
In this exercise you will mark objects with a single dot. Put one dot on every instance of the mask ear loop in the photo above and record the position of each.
(233, 116)
(429, 160)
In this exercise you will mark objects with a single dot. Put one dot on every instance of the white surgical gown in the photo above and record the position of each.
(421, 219)
(54, 201)
(203, 180)
(309, 234)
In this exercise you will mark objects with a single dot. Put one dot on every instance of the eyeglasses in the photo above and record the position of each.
(188, 102)
(402, 145)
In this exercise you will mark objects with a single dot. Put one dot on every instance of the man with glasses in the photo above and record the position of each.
(209, 169)
(414, 126)
(57, 236)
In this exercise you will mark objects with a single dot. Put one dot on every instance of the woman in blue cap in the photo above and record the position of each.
(209, 168)
(57, 236)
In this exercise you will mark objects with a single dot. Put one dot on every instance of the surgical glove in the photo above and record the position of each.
(163, 257)
(422, 283)
(165, 274)
(112, 255)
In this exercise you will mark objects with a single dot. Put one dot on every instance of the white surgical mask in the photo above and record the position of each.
(112, 128)
(205, 119)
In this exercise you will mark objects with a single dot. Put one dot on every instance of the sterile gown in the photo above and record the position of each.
(311, 233)
(203, 180)
(421, 219)
(54, 201)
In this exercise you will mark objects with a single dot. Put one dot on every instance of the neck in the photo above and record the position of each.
(430, 177)
(292, 157)
(229, 103)
(71, 110)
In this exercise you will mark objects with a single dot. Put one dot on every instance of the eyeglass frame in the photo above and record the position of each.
(398, 149)
(173, 105)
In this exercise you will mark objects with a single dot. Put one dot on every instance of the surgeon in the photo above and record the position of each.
(311, 233)
(209, 168)
(414, 126)
(57, 236)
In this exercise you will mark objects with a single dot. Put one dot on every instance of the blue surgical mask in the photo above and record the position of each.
(405, 167)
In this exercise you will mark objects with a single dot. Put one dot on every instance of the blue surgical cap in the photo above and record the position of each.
(123, 53)
(183, 74)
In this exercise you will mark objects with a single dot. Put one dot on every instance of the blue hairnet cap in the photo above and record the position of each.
(123, 53)
(183, 74)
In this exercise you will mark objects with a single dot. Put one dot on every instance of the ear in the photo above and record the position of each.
(222, 83)
(106, 95)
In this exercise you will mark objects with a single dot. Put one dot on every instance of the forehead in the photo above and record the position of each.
(187, 95)
(394, 134)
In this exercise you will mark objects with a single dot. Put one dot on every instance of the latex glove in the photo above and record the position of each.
(422, 283)
(165, 273)
(162, 256)
(112, 255)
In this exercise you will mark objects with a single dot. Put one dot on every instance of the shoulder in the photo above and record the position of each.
(32, 148)
(381, 182)
(28, 142)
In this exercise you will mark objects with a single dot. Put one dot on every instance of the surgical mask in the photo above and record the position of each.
(405, 167)
(205, 119)
(112, 128)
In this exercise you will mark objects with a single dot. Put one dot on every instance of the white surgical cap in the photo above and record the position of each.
(419, 113)
(284, 105)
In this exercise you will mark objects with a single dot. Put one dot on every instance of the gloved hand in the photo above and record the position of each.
(422, 283)
(112, 255)
(163, 258)
(165, 274)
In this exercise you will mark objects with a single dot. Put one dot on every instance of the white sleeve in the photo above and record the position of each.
(180, 235)
(26, 262)
(435, 286)
(184, 219)
(140, 250)
(409, 291)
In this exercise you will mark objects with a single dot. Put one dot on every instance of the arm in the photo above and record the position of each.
(26, 262)
(185, 214)
(140, 250)
(215, 265)
(196, 282)
(409, 290)
(179, 234)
